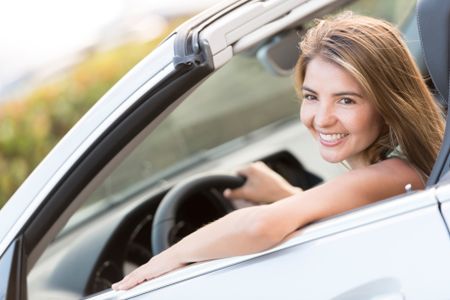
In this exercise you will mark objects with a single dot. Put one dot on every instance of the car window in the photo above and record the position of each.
(238, 99)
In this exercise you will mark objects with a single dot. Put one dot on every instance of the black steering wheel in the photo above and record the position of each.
(165, 215)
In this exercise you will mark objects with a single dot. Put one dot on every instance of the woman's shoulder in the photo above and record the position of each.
(378, 181)
(381, 180)
(399, 169)
(393, 173)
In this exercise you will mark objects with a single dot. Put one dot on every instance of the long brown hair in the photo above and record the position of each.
(374, 53)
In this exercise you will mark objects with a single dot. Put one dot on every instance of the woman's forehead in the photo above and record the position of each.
(325, 76)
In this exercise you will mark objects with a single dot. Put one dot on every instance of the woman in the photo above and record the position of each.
(364, 101)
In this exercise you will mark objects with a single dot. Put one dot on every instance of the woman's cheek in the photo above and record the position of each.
(306, 116)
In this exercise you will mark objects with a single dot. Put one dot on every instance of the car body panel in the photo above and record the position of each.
(443, 196)
(342, 263)
(337, 252)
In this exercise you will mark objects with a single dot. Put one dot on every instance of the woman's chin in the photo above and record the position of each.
(332, 158)
(334, 161)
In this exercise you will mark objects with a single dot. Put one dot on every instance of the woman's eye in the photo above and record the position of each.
(346, 101)
(309, 97)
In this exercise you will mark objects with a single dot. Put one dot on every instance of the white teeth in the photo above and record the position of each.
(332, 137)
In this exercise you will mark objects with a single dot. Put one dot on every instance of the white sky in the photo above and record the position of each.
(34, 33)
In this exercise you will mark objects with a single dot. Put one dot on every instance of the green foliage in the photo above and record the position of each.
(32, 125)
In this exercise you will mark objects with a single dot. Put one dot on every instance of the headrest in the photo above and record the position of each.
(433, 20)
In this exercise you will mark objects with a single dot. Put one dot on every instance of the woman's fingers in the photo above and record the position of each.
(156, 266)
(126, 283)
(263, 185)
(136, 277)
(234, 193)
(254, 168)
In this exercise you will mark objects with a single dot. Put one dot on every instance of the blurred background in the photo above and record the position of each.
(58, 57)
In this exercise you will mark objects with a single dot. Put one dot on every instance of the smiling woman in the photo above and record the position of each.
(370, 58)
(362, 96)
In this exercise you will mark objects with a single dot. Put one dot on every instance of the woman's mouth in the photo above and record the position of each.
(331, 139)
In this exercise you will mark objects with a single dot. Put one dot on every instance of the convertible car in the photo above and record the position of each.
(148, 163)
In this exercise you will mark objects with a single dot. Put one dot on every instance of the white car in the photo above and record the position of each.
(147, 164)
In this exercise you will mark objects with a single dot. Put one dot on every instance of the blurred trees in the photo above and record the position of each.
(32, 125)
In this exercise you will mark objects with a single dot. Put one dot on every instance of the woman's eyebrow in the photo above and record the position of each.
(344, 93)
(348, 94)
(308, 89)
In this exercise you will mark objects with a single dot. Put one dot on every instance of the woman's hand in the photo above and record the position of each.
(263, 185)
(155, 267)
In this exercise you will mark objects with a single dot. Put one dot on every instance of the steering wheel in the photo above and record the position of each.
(165, 215)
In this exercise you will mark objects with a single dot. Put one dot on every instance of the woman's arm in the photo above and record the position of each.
(240, 232)
(258, 228)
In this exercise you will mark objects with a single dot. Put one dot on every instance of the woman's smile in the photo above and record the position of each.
(331, 139)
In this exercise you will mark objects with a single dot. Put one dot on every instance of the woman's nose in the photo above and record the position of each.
(325, 116)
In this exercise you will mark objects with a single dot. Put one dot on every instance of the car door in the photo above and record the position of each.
(398, 249)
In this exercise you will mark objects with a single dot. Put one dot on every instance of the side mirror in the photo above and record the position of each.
(280, 54)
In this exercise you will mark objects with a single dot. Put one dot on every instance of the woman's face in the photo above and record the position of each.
(338, 113)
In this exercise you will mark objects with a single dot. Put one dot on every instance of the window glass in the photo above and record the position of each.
(238, 99)
(393, 11)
